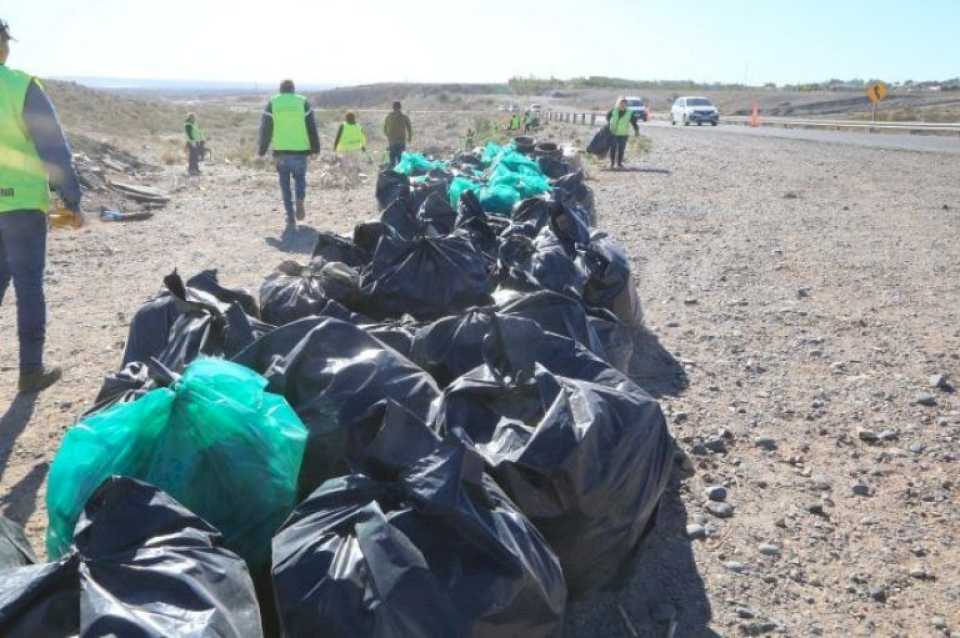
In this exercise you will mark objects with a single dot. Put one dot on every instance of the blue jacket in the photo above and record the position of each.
(52, 147)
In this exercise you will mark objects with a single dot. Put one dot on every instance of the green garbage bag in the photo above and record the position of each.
(518, 163)
(216, 442)
(492, 151)
(411, 163)
(498, 198)
(527, 184)
(458, 186)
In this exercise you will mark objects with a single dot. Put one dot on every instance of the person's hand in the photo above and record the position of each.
(363, 148)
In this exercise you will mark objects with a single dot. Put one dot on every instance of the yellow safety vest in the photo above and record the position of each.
(352, 138)
(24, 182)
(620, 124)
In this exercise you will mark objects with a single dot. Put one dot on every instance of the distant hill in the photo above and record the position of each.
(375, 95)
(182, 87)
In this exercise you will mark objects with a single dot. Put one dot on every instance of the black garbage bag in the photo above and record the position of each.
(367, 235)
(594, 328)
(474, 224)
(150, 327)
(401, 219)
(15, 550)
(398, 333)
(391, 186)
(553, 167)
(206, 327)
(555, 264)
(184, 322)
(437, 183)
(333, 247)
(572, 191)
(143, 565)
(586, 460)
(530, 216)
(426, 277)
(331, 372)
(293, 291)
(130, 383)
(436, 217)
(453, 346)
(601, 142)
(610, 284)
(430, 548)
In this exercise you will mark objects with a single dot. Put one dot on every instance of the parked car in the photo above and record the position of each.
(535, 108)
(694, 110)
(639, 106)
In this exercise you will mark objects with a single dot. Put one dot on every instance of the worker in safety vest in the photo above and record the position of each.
(289, 126)
(515, 122)
(33, 155)
(620, 119)
(195, 144)
(350, 136)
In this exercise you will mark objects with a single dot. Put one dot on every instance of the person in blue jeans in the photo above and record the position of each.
(289, 126)
(33, 155)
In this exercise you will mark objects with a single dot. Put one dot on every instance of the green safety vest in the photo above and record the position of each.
(620, 126)
(196, 133)
(352, 138)
(289, 122)
(24, 182)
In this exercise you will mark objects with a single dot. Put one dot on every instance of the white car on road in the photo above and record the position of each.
(687, 110)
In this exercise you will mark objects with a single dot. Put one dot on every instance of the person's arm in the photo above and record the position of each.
(386, 127)
(312, 130)
(336, 140)
(266, 130)
(406, 122)
(44, 128)
(634, 119)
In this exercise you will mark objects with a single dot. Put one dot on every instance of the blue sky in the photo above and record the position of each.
(357, 41)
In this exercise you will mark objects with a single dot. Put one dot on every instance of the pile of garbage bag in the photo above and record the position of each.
(432, 427)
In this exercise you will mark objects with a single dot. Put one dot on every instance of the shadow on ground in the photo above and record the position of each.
(663, 585)
(300, 241)
(638, 169)
(20, 500)
(654, 368)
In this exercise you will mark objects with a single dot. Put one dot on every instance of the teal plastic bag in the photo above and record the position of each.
(216, 442)
(458, 186)
(499, 199)
(411, 163)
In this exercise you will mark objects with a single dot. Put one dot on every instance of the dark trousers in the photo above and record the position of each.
(193, 164)
(23, 255)
(617, 149)
(396, 150)
(292, 167)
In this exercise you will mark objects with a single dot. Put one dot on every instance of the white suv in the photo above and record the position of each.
(694, 109)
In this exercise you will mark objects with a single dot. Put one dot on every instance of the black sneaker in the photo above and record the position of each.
(40, 380)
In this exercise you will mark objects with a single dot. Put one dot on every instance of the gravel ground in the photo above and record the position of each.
(810, 291)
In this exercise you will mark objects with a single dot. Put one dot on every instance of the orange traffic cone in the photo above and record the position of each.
(755, 117)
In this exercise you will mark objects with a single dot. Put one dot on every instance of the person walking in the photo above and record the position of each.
(195, 144)
(350, 137)
(399, 133)
(288, 124)
(619, 120)
(34, 154)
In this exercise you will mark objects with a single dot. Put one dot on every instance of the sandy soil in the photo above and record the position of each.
(810, 292)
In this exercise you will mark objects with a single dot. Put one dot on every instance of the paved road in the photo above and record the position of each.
(890, 141)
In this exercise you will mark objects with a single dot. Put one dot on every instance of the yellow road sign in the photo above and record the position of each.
(877, 91)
